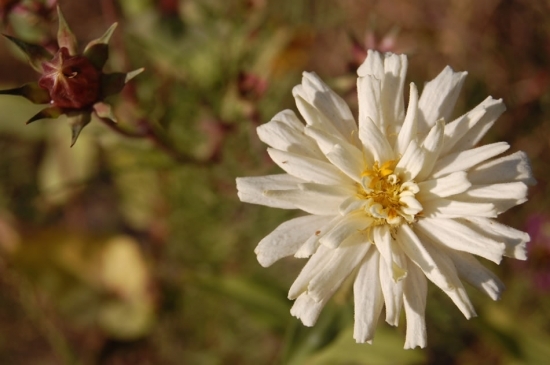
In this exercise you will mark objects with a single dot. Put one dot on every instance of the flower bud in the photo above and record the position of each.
(72, 81)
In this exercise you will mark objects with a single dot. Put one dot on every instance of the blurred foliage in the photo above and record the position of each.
(118, 251)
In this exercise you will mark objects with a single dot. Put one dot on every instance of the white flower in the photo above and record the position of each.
(393, 200)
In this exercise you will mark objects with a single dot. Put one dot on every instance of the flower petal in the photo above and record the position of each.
(349, 160)
(375, 143)
(514, 240)
(349, 225)
(333, 107)
(368, 297)
(392, 290)
(415, 290)
(282, 137)
(502, 196)
(313, 198)
(344, 260)
(475, 274)
(452, 184)
(408, 129)
(395, 71)
(438, 98)
(313, 267)
(287, 238)
(306, 309)
(431, 147)
(514, 167)
(458, 236)
(493, 110)
(447, 208)
(463, 160)
(251, 189)
(411, 163)
(308, 169)
(369, 89)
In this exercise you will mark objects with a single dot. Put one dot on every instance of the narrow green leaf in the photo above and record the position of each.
(130, 75)
(31, 91)
(48, 113)
(65, 37)
(78, 122)
(36, 54)
(97, 51)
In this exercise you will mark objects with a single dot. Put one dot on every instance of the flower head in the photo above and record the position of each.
(399, 198)
(71, 83)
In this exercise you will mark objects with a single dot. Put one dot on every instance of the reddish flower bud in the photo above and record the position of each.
(72, 81)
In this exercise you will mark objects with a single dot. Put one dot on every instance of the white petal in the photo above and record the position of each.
(475, 274)
(408, 129)
(456, 290)
(395, 71)
(313, 198)
(306, 309)
(417, 253)
(458, 236)
(329, 103)
(463, 160)
(312, 243)
(447, 208)
(349, 225)
(351, 204)
(311, 114)
(452, 184)
(411, 163)
(289, 118)
(493, 109)
(390, 253)
(502, 196)
(456, 131)
(375, 142)
(392, 291)
(515, 240)
(514, 167)
(349, 160)
(431, 147)
(373, 65)
(251, 189)
(438, 98)
(287, 238)
(313, 267)
(308, 169)
(344, 260)
(369, 89)
(415, 290)
(326, 140)
(368, 297)
(282, 137)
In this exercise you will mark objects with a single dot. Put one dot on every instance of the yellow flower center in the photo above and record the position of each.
(388, 199)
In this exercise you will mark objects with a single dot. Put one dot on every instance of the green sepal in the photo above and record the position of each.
(78, 122)
(65, 37)
(36, 54)
(114, 83)
(105, 111)
(31, 91)
(48, 113)
(97, 51)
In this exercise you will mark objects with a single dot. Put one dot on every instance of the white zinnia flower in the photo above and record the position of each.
(393, 200)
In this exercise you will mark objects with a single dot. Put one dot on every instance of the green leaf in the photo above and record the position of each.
(97, 51)
(113, 83)
(78, 122)
(65, 37)
(48, 113)
(31, 91)
(36, 54)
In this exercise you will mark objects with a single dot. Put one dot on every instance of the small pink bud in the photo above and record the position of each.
(72, 81)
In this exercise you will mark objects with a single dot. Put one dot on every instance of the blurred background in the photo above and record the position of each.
(132, 250)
